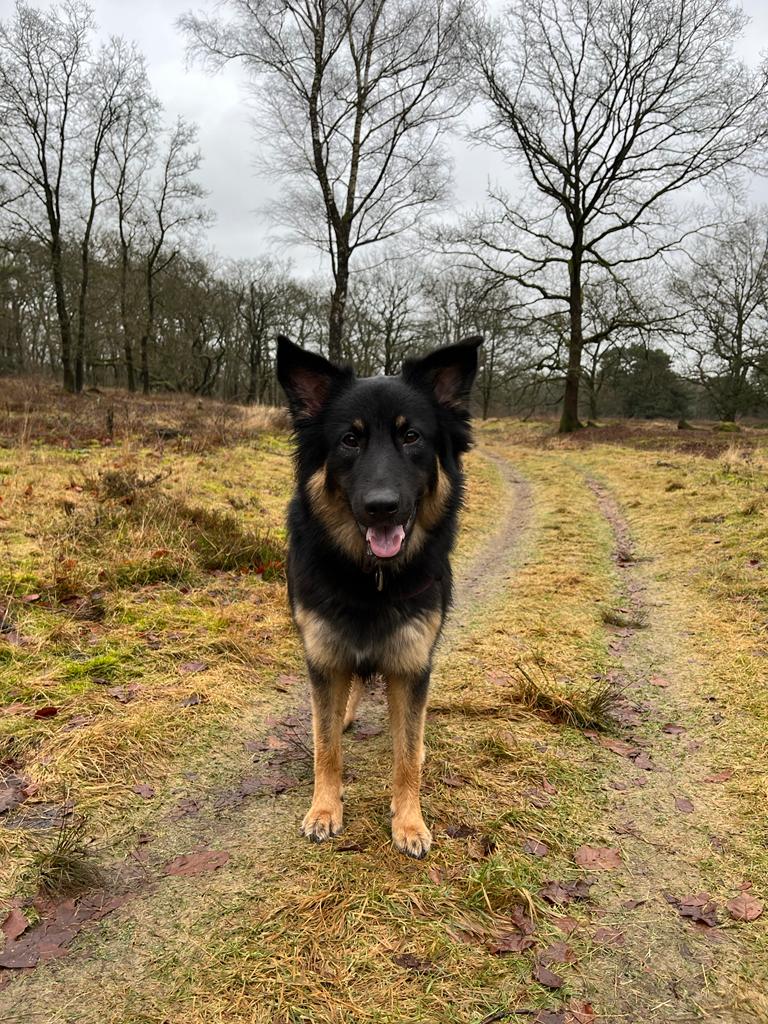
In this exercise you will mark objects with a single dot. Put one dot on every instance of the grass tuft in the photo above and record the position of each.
(69, 865)
(561, 703)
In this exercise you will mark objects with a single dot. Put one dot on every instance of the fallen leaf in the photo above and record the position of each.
(124, 694)
(14, 925)
(193, 699)
(717, 843)
(510, 942)
(412, 963)
(722, 776)
(187, 805)
(684, 805)
(659, 681)
(452, 781)
(673, 730)
(609, 937)
(197, 863)
(535, 848)
(144, 790)
(191, 667)
(30, 598)
(633, 904)
(547, 978)
(619, 747)
(459, 831)
(598, 858)
(549, 1017)
(557, 952)
(566, 924)
(11, 794)
(566, 892)
(435, 874)
(699, 908)
(48, 711)
(579, 1013)
(367, 732)
(744, 907)
(643, 761)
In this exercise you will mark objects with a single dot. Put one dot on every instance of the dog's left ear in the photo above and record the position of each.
(447, 372)
(307, 378)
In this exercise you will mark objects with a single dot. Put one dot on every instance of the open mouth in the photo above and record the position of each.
(387, 539)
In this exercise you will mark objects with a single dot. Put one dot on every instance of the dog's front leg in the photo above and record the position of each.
(407, 698)
(329, 698)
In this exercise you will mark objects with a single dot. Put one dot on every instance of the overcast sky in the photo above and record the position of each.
(218, 104)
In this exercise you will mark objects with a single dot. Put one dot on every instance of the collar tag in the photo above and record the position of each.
(379, 578)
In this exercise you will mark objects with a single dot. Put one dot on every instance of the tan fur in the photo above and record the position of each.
(356, 693)
(325, 816)
(358, 425)
(335, 514)
(407, 652)
(409, 832)
(400, 422)
(433, 504)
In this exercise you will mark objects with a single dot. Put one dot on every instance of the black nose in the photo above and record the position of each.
(379, 504)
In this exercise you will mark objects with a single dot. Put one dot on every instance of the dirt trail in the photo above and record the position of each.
(665, 810)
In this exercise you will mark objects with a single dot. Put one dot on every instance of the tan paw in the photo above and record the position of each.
(411, 836)
(322, 822)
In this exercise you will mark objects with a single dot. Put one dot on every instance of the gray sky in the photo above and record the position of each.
(218, 104)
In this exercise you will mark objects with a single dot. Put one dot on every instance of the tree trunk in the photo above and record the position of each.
(65, 328)
(338, 306)
(569, 420)
(130, 370)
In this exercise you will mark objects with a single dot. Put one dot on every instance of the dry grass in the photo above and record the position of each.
(559, 702)
(66, 865)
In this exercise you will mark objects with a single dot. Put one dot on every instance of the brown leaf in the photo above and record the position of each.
(598, 858)
(191, 667)
(659, 681)
(557, 952)
(722, 776)
(619, 747)
(49, 711)
(566, 924)
(197, 863)
(699, 908)
(579, 1013)
(643, 761)
(367, 732)
(193, 699)
(510, 942)
(186, 805)
(435, 874)
(547, 978)
(14, 925)
(684, 805)
(673, 730)
(30, 598)
(549, 1017)
(459, 831)
(144, 790)
(535, 848)
(412, 963)
(566, 892)
(124, 694)
(744, 907)
(633, 904)
(452, 781)
(609, 937)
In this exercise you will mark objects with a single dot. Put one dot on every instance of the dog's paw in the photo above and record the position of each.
(322, 822)
(411, 837)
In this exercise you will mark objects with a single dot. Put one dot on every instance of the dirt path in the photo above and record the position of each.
(351, 932)
(666, 810)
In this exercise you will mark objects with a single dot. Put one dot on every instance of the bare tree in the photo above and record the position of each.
(42, 79)
(610, 107)
(724, 299)
(383, 316)
(172, 208)
(355, 96)
(131, 151)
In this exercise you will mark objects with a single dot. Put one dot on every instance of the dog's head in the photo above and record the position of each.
(378, 456)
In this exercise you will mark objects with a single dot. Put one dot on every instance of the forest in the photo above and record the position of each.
(623, 267)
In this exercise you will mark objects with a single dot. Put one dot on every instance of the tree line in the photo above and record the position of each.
(599, 283)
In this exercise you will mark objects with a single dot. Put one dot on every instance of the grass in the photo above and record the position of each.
(291, 932)
(67, 866)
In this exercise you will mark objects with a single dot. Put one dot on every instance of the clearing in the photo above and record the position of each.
(596, 742)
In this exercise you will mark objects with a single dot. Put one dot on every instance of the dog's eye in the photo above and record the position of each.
(350, 441)
(411, 436)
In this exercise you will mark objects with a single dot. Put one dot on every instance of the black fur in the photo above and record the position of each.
(432, 393)
(371, 528)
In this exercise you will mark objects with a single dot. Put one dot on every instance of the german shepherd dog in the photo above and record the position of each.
(371, 527)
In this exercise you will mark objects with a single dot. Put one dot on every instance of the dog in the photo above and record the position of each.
(371, 526)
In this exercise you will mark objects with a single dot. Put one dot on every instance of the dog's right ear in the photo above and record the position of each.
(307, 378)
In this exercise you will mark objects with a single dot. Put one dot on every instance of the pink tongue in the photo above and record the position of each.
(385, 541)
